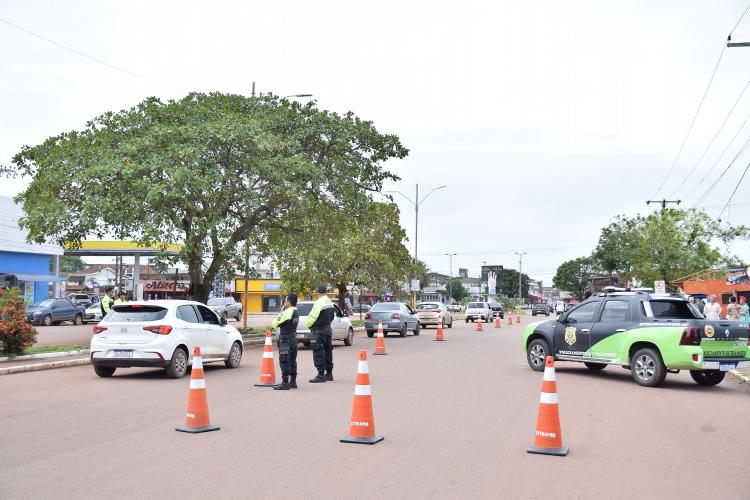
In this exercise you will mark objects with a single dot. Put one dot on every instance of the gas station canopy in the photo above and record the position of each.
(125, 248)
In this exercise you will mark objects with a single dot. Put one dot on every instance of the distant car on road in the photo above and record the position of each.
(80, 299)
(431, 313)
(93, 314)
(478, 311)
(539, 308)
(53, 312)
(497, 309)
(341, 325)
(361, 308)
(454, 308)
(396, 317)
(162, 334)
(226, 307)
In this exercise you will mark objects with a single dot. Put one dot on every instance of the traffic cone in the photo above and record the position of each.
(362, 424)
(196, 416)
(267, 370)
(439, 334)
(479, 324)
(548, 438)
(498, 323)
(380, 340)
(518, 318)
(510, 319)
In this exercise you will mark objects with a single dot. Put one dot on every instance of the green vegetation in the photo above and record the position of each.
(44, 349)
(16, 334)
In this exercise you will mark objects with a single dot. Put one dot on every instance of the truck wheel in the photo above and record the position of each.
(595, 366)
(647, 368)
(536, 354)
(707, 377)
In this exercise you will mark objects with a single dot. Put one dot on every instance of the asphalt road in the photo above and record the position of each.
(457, 417)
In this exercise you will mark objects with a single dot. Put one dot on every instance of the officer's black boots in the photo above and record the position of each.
(293, 382)
(284, 385)
(320, 378)
(329, 376)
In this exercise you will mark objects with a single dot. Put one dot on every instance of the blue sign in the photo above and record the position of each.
(272, 287)
(95, 284)
(493, 291)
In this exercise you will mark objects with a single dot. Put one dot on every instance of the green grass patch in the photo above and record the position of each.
(253, 330)
(358, 322)
(43, 349)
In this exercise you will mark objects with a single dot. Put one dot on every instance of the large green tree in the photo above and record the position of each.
(507, 283)
(456, 290)
(575, 276)
(365, 248)
(209, 171)
(665, 245)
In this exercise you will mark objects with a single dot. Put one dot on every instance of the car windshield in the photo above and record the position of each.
(216, 302)
(386, 306)
(671, 309)
(475, 305)
(424, 307)
(44, 303)
(304, 309)
(135, 313)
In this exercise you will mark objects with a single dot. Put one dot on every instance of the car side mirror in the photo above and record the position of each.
(223, 320)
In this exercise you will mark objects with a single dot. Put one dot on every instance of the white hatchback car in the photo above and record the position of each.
(162, 334)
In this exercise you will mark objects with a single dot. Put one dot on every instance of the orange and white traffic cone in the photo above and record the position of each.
(362, 424)
(196, 416)
(498, 323)
(479, 324)
(510, 319)
(380, 340)
(518, 318)
(439, 334)
(548, 438)
(267, 370)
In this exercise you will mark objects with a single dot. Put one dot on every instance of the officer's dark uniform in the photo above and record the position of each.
(319, 321)
(287, 323)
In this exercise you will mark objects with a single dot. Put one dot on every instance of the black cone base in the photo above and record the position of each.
(558, 452)
(380, 354)
(438, 340)
(196, 430)
(367, 440)
(259, 384)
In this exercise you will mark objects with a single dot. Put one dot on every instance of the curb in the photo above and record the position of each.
(45, 355)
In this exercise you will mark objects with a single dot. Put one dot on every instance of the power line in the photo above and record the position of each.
(92, 58)
(716, 182)
(700, 105)
(736, 187)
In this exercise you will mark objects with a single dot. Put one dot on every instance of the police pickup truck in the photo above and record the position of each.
(649, 334)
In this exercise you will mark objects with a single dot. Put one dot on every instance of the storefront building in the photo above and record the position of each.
(263, 295)
(24, 266)
(724, 283)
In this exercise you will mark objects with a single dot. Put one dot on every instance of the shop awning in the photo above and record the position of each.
(40, 278)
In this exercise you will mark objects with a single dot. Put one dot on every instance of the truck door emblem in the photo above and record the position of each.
(570, 335)
(709, 331)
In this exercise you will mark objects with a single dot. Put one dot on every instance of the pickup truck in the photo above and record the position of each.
(649, 334)
(539, 308)
(53, 312)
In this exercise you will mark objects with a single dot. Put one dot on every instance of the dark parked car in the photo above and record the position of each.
(539, 308)
(53, 312)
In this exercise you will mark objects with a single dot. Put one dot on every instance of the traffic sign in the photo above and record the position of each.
(660, 286)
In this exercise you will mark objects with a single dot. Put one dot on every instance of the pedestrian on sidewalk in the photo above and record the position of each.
(733, 309)
(287, 323)
(744, 312)
(712, 311)
(319, 321)
(701, 305)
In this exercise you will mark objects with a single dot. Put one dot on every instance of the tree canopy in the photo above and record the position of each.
(209, 171)
(575, 276)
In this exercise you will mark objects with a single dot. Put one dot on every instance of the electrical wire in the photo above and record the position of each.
(736, 187)
(716, 182)
(92, 58)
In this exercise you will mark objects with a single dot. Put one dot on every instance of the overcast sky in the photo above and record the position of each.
(545, 119)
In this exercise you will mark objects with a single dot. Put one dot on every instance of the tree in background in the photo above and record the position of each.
(457, 290)
(575, 276)
(507, 283)
(367, 249)
(422, 273)
(209, 171)
(69, 264)
(16, 334)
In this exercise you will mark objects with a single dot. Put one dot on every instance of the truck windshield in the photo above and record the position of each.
(671, 309)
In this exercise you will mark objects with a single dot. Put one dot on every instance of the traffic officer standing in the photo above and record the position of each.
(107, 301)
(287, 322)
(319, 321)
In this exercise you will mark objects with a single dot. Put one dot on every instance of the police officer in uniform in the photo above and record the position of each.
(107, 301)
(319, 321)
(287, 322)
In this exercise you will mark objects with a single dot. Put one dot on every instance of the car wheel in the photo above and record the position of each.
(78, 320)
(178, 366)
(370, 333)
(349, 340)
(707, 377)
(416, 330)
(450, 325)
(239, 316)
(47, 320)
(235, 356)
(647, 368)
(104, 371)
(536, 354)
(595, 366)
(403, 331)
(466, 320)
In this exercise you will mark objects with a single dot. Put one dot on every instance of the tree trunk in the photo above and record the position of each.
(342, 296)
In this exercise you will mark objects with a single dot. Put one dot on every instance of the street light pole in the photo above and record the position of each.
(450, 276)
(417, 202)
(520, 273)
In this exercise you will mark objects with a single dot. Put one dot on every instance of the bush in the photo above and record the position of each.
(16, 334)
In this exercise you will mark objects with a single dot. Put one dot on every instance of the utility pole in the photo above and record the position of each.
(450, 276)
(253, 91)
(244, 291)
(663, 203)
(520, 273)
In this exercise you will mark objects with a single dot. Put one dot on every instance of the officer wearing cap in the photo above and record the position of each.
(319, 321)
(107, 301)
(287, 323)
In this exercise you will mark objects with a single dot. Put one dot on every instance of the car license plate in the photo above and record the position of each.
(725, 367)
(122, 353)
